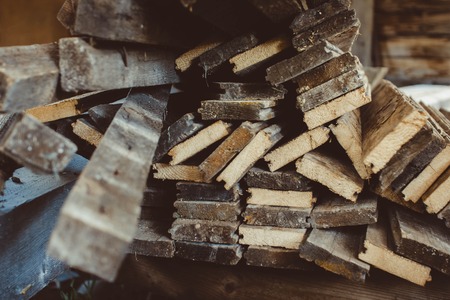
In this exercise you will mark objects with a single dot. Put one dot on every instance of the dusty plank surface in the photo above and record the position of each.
(273, 257)
(289, 238)
(222, 254)
(117, 170)
(246, 90)
(186, 60)
(297, 199)
(192, 191)
(152, 239)
(208, 210)
(241, 110)
(192, 230)
(103, 114)
(178, 172)
(280, 180)
(277, 216)
(437, 196)
(87, 132)
(278, 11)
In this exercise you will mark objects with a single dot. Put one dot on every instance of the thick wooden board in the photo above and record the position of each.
(28, 76)
(244, 161)
(192, 191)
(421, 238)
(229, 148)
(296, 199)
(295, 148)
(277, 216)
(240, 110)
(192, 230)
(118, 170)
(222, 254)
(289, 238)
(278, 11)
(273, 257)
(336, 250)
(186, 60)
(444, 214)
(246, 90)
(334, 211)
(340, 177)
(204, 138)
(437, 196)
(348, 133)
(87, 132)
(103, 114)
(151, 239)
(34, 145)
(178, 172)
(309, 59)
(389, 122)
(280, 180)
(85, 68)
(208, 210)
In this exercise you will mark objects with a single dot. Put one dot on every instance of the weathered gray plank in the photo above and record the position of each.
(152, 239)
(277, 216)
(192, 230)
(223, 254)
(241, 110)
(208, 210)
(280, 180)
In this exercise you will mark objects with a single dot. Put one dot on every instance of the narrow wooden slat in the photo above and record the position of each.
(289, 238)
(277, 216)
(246, 90)
(87, 132)
(151, 239)
(193, 191)
(208, 210)
(193, 230)
(437, 196)
(279, 180)
(274, 257)
(241, 110)
(187, 59)
(178, 172)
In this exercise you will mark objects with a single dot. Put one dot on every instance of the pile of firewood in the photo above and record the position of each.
(219, 131)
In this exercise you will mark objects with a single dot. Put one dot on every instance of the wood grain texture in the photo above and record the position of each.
(240, 110)
(297, 199)
(208, 210)
(437, 197)
(193, 191)
(286, 180)
(178, 172)
(222, 254)
(246, 91)
(277, 216)
(274, 257)
(87, 132)
(151, 239)
(289, 238)
(118, 170)
(193, 230)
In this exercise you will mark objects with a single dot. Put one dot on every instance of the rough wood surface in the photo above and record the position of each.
(246, 90)
(437, 196)
(336, 175)
(273, 257)
(289, 238)
(187, 59)
(222, 254)
(151, 239)
(208, 210)
(244, 161)
(192, 230)
(192, 191)
(87, 132)
(229, 148)
(204, 138)
(336, 250)
(297, 199)
(66, 14)
(241, 110)
(278, 11)
(85, 68)
(178, 172)
(277, 216)
(397, 198)
(103, 114)
(281, 180)
(304, 143)
(28, 76)
(118, 170)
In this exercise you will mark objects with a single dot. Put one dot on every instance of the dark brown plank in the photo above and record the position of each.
(159, 196)
(279, 180)
(222, 254)
(240, 110)
(208, 210)
(152, 239)
(245, 90)
(193, 191)
(273, 257)
(204, 231)
(289, 238)
(287, 217)
(103, 114)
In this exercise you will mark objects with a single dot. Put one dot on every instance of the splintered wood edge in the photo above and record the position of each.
(437, 196)
(87, 132)
(297, 147)
(178, 172)
(200, 141)
(289, 238)
(296, 199)
(185, 60)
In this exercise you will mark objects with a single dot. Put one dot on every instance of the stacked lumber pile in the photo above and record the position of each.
(258, 140)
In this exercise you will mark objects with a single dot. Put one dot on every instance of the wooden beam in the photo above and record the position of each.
(151, 239)
(274, 257)
(193, 230)
(289, 238)
(240, 110)
(444, 214)
(287, 180)
(192, 191)
(87, 132)
(277, 216)
(178, 172)
(222, 254)
(295, 199)
(208, 210)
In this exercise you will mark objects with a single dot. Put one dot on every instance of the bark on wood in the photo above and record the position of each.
(241, 110)
(246, 90)
(118, 170)
(192, 230)
(186, 60)
(87, 132)
(278, 11)
(191, 191)
(208, 210)
(215, 253)
(103, 114)
(28, 76)
(278, 216)
(304, 143)
(437, 196)
(336, 175)
(85, 68)
(280, 180)
(151, 239)
(289, 238)
(178, 172)
(336, 250)
(273, 257)
(297, 199)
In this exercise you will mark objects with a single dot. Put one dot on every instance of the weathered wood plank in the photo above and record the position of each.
(246, 90)
(186, 60)
(192, 191)
(444, 214)
(87, 132)
(162, 197)
(192, 230)
(416, 46)
(273, 257)
(278, 11)
(277, 216)
(118, 170)
(222, 254)
(397, 198)
(289, 238)
(178, 172)
(304, 143)
(85, 68)
(437, 196)
(103, 114)
(208, 210)
(241, 110)
(363, 47)
(375, 75)
(280, 180)
(151, 239)
(297, 199)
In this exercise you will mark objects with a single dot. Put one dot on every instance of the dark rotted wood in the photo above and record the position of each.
(152, 239)
(211, 60)
(279, 180)
(241, 110)
(176, 133)
(204, 231)
(421, 238)
(28, 76)
(444, 214)
(287, 217)
(331, 89)
(302, 62)
(222, 254)
(317, 15)
(278, 11)
(102, 115)
(336, 250)
(208, 210)
(34, 145)
(327, 71)
(245, 90)
(331, 27)
(193, 191)
(86, 68)
(334, 211)
(274, 257)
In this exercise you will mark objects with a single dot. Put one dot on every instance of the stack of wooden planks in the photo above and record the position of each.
(257, 141)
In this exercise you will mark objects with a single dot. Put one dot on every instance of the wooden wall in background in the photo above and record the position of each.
(25, 22)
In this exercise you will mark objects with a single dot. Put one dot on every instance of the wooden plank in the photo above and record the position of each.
(261, 196)
(28, 76)
(229, 148)
(192, 191)
(256, 149)
(416, 46)
(103, 114)
(365, 12)
(192, 230)
(340, 177)
(412, 6)
(34, 145)
(348, 133)
(118, 170)
(334, 211)
(295, 148)
(290, 68)
(186, 60)
(397, 198)
(421, 238)
(160, 214)
(278, 11)
(444, 214)
(346, 38)
(437, 197)
(151, 239)
(336, 250)
(277, 216)
(273, 257)
(431, 23)
(208, 210)
(445, 113)
(162, 197)
(289, 238)
(240, 110)
(286, 180)
(87, 132)
(85, 68)
(204, 138)
(215, 253)
(246, 90)
(178, 172)
(389, 122)
(378, 253)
